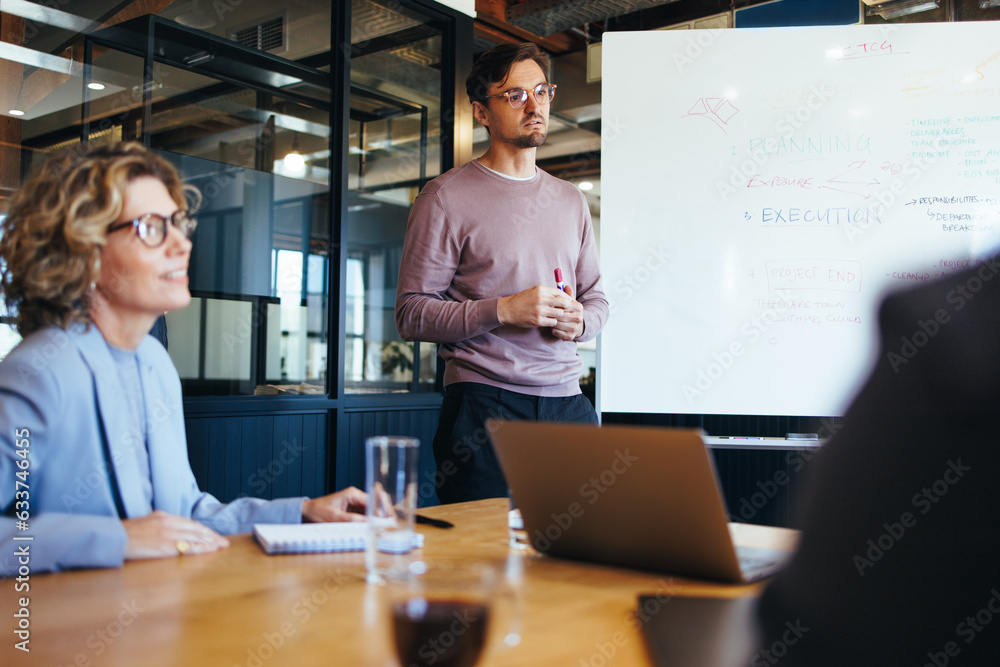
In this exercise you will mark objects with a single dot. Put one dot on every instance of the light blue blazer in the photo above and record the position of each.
(63, 388)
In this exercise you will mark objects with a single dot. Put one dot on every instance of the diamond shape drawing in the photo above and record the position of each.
(719, 110)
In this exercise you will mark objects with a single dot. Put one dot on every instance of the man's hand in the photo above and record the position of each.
(538, 306)
(569, 323)
(158, 535)
(344, 505)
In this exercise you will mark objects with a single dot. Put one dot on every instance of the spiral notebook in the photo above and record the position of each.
(278, 538)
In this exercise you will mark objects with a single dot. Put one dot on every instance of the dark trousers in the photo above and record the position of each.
(466, 463)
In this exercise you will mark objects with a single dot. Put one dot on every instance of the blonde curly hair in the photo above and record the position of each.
(57, 223)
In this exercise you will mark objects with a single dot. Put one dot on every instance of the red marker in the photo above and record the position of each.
(559, 281)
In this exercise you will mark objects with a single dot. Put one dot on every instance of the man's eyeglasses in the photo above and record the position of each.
(518, 97)
(152, 227)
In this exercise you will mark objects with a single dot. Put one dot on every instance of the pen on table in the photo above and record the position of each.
(559, 281)
(437, 523)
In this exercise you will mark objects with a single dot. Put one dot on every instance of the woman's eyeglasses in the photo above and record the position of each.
(152, 227)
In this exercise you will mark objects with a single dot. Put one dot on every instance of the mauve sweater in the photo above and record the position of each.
(474, 236)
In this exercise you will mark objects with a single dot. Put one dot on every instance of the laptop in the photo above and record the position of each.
(639, 497)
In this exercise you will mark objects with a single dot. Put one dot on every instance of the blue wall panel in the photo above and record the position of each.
(264, 456)
(799, 12)
(762, 486)
(283, 453)
(233, 440)
(420, 423)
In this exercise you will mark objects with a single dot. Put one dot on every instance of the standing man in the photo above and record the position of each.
(477, 277)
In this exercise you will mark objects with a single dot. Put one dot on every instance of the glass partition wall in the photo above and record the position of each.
(247, 115)
(252, 132)
(394, 146)
(308, 127)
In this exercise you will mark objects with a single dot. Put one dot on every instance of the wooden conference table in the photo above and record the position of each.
(242, 607)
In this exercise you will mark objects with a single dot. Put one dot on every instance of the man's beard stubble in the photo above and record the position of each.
(533, 140)
(530, 141)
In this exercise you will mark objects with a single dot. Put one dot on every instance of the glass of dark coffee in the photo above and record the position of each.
(439, 613)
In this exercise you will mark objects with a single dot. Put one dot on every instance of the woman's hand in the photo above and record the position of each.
(344, 505)
(158, 535)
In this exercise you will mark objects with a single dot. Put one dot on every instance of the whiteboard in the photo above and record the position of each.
(763, 189)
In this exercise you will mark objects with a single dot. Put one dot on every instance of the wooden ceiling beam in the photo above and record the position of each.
(493, 13)
(487, 31)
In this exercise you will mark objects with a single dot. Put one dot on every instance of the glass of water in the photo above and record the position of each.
(391, 483)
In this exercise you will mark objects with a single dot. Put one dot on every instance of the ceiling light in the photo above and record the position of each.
(586, 186)
(94, 85)
(897, 8)
(199, 58)
(294, 162)
(16, 112)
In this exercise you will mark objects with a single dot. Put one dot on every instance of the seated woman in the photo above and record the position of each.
(92, 446)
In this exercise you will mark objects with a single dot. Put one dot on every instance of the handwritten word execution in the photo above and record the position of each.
(811, 144)
(840, 215)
